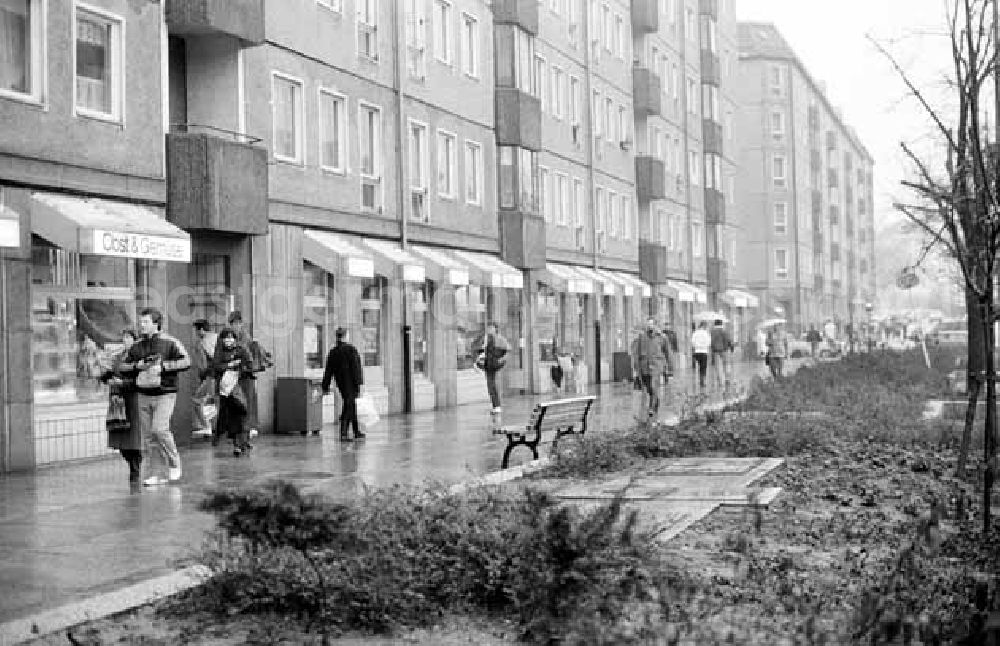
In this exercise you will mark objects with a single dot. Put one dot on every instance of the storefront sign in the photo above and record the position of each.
(413, 274)
(360, 267)
(458, 277)
(10, 233)
(138, 245)
(513, 281)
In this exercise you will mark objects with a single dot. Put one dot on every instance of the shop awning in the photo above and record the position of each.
(10, 227)
(619, 284)
(335, 253)
(499, 273)
(108, 228)
(641, 287)
(602, 284)
(688, 293)
(445, 267)
(411, 270)
(739, 298)
(569, 279)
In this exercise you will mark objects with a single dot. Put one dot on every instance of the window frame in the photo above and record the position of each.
(540, 72)
(574, 100)
(473, 45)
(779, 181)
(564, 199)
(476, 148)
(118, 63)
(38, 53)
(781, 272)
(579, 203)
(300, 154)
(777, 133)
(443, 40)
(441, 135)
(335, 6)
(378, 160)
(425, 163)
(544, 197)
(343, 143)
(780, 225)
(372, 56)
(694, 168)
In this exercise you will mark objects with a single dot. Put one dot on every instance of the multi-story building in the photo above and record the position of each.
(406, 170)
(803, 190)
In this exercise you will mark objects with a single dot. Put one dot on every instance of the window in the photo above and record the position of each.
(288, 118)
(99, 73)
(596, 119)
(710, 102)
(776, 80)
(624, 125)
(692, 96)
(563, 208)
(573, 19)
(332, 131)
(368, 28)
(470, 45)
(619, 37)
(580, 202)
(370, 145)
(336, 6)
(473, 172)
(524, 46)
(528, 180)
(416, 39)
(558, 92)
(600, 206)
(709, 38)
(545, 193)
(780, 218)
(574, 100)
(22, 55)
(713, 171)
(442, 31)
(693, 166)
(777, 125)
(540, 84)
(781, 263)
(778, 171)
(609, 115)
(697, 239)
(675, 82)
(419, 166)
(607, 27)
(446, 161)
(628, 217)
(690, 24)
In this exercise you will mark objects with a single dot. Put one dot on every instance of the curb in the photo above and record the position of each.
(103, 605)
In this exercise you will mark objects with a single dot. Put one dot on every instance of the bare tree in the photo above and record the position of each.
(954, 200)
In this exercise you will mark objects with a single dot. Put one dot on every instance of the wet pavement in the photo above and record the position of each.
(73, 531)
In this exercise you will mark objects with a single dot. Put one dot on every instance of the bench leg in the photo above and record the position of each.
(510, 447)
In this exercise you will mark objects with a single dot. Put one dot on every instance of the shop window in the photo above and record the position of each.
(318, 316)
(514, 328)
(470, 308)
(370, 343)
(418, 299)
(211, 288)
(546, 322)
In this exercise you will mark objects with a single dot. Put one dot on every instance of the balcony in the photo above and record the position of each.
(817, 202)
(522, 239)
(817, 241)
(711, 132)
(709, 8)
(815, 159)
(835, 251)
(834, 214)
(216, 181)
(652, 262)
(715, 206)
(645, 16)
(243, 19)
(832, 177)
(650, 181)
(646, 91)
(818, 283)
(710, 68)
(522, 13)
(518, 118)
(718, 275)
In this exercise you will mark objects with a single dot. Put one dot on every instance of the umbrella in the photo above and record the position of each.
(710, 316)
(772, 322)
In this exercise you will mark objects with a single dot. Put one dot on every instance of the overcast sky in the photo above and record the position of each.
(830, 39)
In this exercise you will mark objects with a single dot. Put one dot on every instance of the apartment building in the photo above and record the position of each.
(406, 170)
(803, 189)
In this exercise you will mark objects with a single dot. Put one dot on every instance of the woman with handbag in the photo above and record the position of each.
(123, 431)
(233, 369)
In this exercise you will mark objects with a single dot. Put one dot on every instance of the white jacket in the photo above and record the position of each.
(701, 341)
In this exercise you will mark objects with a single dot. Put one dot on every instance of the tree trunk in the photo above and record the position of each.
(975, 365)
(989, 442)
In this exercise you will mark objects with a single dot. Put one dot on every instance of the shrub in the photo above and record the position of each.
(404, 557)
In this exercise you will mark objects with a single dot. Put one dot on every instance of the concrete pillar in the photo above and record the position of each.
(392, 337)
(443, 363)
(529, 304)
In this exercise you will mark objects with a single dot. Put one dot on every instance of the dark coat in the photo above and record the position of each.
(123, 385)
(343, 366)
(233, 420)
(171, 353)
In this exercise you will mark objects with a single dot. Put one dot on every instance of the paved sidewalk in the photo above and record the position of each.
(71, 532)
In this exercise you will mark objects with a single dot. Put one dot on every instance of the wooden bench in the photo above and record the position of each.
(557, 418)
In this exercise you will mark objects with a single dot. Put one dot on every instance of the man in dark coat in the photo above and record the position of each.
(343, 366)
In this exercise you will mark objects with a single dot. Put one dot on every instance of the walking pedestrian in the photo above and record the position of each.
(813, 337)
(777, 350)
(202, 361)
(156, 359)
(722, 348)
(343, 366)
(701, 345)
(261, 360)
(233, 370)
(652, 360)
(122, 421)
(491, 352)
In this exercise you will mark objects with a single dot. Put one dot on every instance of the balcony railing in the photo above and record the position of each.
(518, 118)
(715, 206)
(646, 90)
(243, 19)
(710, 68)
(652, 262)
(523, 13)
(649, 178)
(522, 239)
(718, 275)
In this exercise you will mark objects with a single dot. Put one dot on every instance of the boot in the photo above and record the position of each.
(345, 433)
(134, 460)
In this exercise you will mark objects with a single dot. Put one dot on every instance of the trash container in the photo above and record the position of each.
(299, 403)
(622, 362)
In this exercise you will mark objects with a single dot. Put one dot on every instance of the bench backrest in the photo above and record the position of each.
(561, 414)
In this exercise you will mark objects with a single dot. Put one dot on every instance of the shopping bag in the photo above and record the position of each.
(228, 381)
(367, 415)
(150, 377)
(210, 412)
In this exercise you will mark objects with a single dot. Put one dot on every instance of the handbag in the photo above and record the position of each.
(117, 417)
(228, 382)
(260, 359)
(365, 407)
